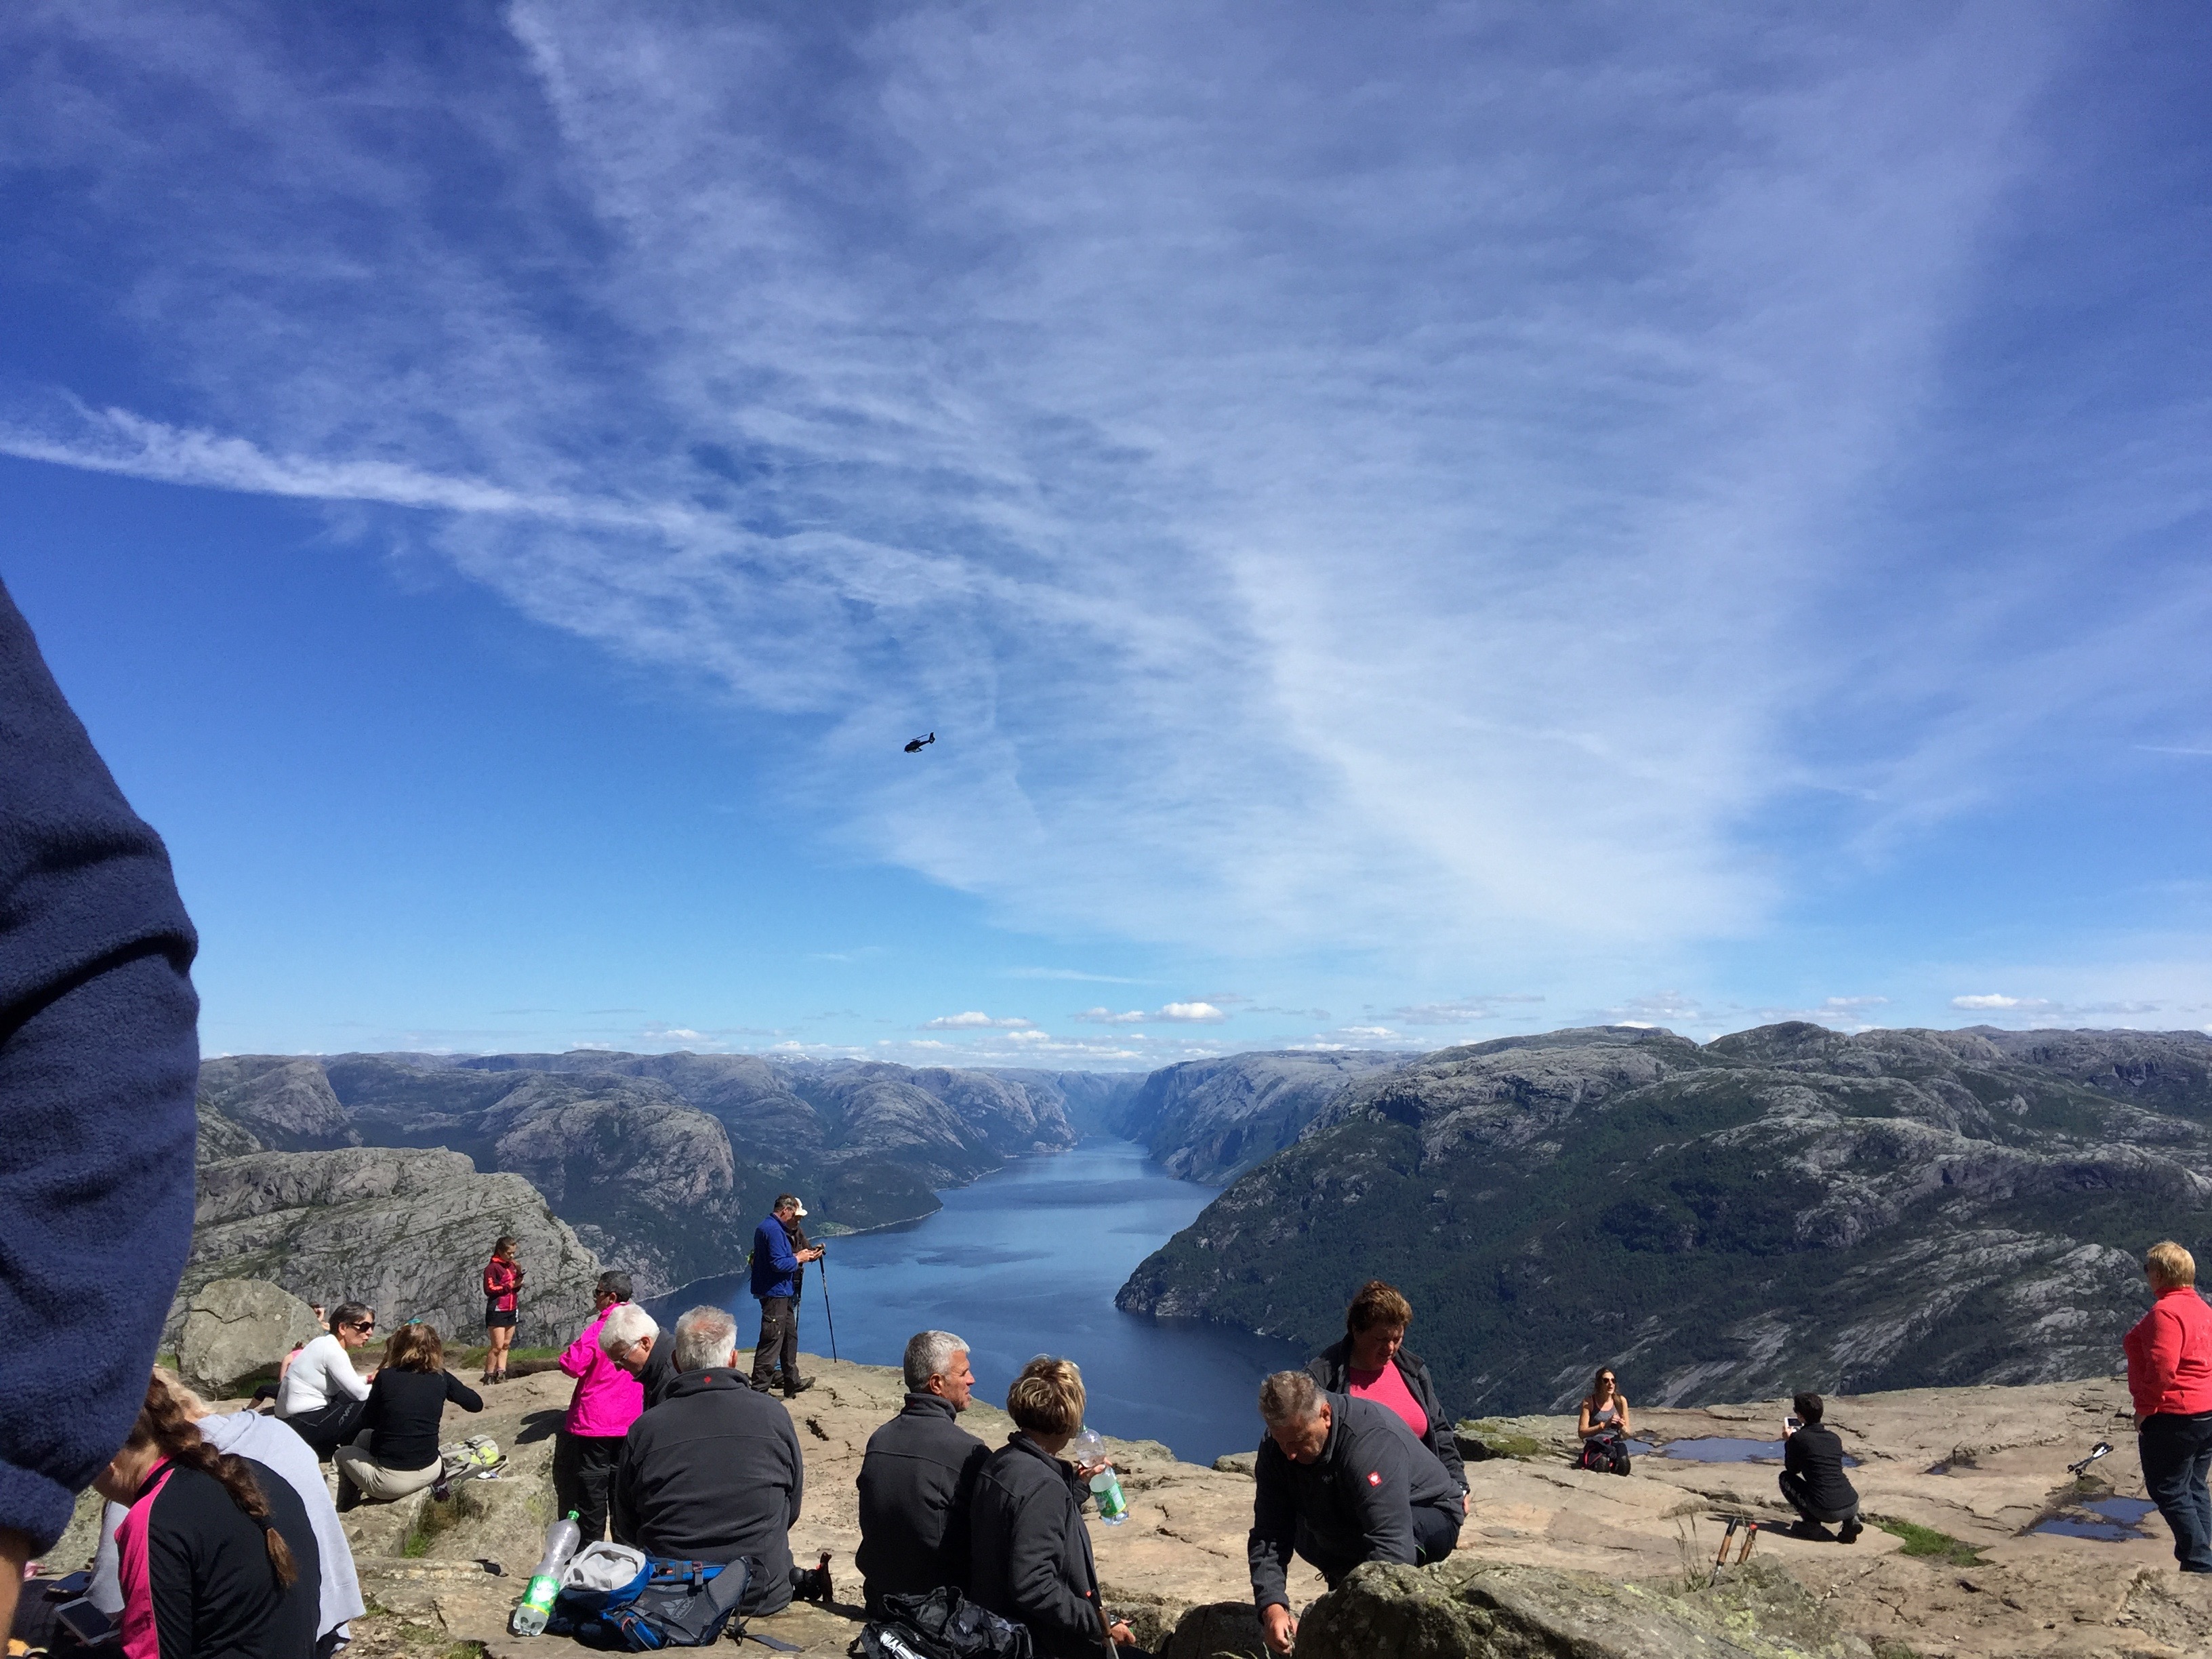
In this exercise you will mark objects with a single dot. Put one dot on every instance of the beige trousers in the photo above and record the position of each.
(378, 1483)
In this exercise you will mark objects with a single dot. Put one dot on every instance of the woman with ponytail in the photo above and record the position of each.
(218, 1559)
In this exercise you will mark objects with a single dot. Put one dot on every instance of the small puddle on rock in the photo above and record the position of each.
(2107, 1520)
(1724, 1449)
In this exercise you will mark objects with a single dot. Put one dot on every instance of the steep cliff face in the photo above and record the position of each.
(406, 1231)
(287, 1104)
(1211, 1120)
(1783, 1208)
(662, 1163)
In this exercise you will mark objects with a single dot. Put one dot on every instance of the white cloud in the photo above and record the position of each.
(1393, 530)
(974, 1020)
(1993, 999)
(1171, 1013)
(1190, 1014)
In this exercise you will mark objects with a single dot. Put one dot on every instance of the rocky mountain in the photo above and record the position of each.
(1211, 1119)
(662, 1163)
(1783, 1208)
(405, 1230)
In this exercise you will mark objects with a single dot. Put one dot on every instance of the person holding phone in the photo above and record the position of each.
(1813, 1475)
(502, 1283)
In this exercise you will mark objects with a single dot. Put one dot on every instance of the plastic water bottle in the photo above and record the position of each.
(1090, 1447)
(562, 1540)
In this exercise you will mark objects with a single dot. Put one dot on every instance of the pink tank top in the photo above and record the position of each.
(1388, 1388)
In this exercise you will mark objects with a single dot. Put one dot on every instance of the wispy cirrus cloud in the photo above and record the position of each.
(974, 1020)
(1471, 480)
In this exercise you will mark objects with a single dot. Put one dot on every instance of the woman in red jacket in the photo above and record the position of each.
(502, 1280)
(2170, 1376)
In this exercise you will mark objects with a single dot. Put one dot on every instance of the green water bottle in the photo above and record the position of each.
(562, 1539)
(1090, 1447)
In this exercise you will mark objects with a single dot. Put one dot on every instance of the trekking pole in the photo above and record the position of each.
(1727, 1538)
(823, 1262)
(1750, 1537)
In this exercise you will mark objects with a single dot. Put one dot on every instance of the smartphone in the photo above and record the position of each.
(85, 1622)
(1790, 1427)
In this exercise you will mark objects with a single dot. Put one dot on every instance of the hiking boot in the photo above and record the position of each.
(1850, 1532)
(792, 1390)
(1812, 1532)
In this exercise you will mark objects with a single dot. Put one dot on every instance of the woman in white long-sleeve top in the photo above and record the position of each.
(323, 1396)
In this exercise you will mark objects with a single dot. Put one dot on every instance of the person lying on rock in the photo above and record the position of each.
(396, 1452)
(1339, 1481)
(1029, 1554)
(918, 1478)
(713, 1472)
(1813, 1475)
(1370, 1362)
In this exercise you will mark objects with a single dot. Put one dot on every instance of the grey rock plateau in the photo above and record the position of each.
(1786, 1207)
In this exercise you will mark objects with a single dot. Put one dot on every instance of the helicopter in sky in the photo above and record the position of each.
(920, 744)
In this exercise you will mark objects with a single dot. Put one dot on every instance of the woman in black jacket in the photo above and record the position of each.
(1371, 1362)
(397, 1450)
(1029, 1555)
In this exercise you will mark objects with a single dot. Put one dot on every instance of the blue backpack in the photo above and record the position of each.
(671, 1604)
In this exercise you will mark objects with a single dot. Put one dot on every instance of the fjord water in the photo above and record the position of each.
(1026, 1261)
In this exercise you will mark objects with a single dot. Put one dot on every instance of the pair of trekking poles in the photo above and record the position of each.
(823, 1262)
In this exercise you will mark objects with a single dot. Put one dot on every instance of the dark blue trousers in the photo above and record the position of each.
(2177, 1457)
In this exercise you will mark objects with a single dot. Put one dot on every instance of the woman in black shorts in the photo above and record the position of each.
(502, 1283)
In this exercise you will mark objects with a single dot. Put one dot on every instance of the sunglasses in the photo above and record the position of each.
(362, 1325)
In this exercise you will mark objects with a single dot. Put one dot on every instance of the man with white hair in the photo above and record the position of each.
(919, 1478)
(713, 1472)
(1340, 1480)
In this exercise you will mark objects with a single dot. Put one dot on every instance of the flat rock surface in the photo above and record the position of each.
(2002, 1452)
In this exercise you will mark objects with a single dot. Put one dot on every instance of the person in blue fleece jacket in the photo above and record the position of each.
(98, 1063)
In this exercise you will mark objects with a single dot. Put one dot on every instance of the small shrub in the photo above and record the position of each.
(1927, 1542)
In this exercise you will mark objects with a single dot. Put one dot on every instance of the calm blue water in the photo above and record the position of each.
(2121, 1519)
(1026, 1261)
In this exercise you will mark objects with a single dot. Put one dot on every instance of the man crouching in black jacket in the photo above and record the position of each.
(1340, 1480)
(1029, 1555)
(713, 1472)
(919, 1478)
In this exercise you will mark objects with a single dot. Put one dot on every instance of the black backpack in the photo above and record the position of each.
(941, 1624)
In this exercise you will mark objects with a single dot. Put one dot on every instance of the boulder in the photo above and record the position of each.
(234, 1327)
(405, 1230)
(1219, 1630)
(1244, 1463)
(1470, 1608)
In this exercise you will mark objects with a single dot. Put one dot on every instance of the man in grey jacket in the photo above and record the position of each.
(714, 1474)
(1340, 1480)
(918, 1478)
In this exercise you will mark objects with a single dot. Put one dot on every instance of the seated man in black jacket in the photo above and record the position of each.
(713, 1472)
(919, 1477)
(1029, 1556)
(1813, 1475)
(1341, 1482)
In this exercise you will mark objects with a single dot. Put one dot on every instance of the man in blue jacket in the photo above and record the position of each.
(98, 1062)
(777, 1265)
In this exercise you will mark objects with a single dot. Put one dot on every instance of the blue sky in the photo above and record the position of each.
(1409, 523)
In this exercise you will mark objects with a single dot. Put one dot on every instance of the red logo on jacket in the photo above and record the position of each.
(1374, 1480)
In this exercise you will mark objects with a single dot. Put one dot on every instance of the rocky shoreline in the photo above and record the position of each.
(1963, 1474)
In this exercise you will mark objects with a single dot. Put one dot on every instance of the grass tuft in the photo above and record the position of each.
(1927, 1542)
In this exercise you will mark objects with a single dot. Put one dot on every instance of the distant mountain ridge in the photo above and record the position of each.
(662, 1163)
(1785, 1207)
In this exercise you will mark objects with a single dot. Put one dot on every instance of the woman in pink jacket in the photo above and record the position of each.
(607, 1400)
(2170, 1376)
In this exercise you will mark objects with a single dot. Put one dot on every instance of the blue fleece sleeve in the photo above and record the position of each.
(777, 1243)
(98, 1062)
